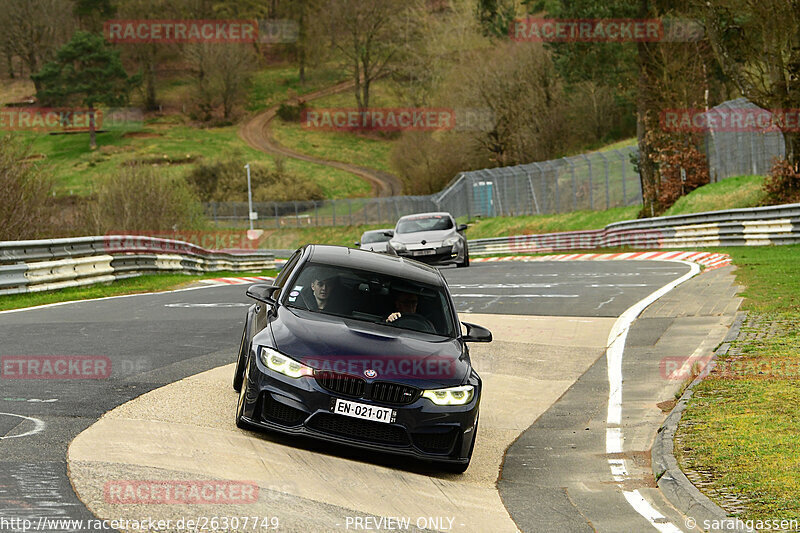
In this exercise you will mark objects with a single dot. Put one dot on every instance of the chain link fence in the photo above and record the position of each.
(598, 180)
(745, 150)
(591, 181)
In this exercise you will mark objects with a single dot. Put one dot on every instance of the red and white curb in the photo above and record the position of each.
(236, 281)
(708, 259)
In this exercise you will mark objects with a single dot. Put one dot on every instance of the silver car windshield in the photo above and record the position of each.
(429, 223)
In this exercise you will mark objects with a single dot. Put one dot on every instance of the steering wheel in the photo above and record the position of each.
(416, 322)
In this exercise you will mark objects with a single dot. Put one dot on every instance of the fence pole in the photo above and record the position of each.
(605, 166)
(574, 190)
(591, 183)
(624, 169)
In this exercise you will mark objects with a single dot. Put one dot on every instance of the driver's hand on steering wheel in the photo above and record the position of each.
(394, 316)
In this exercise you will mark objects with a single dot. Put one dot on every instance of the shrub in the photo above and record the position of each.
(291, 112)
(673, 156)
(225, 180)
(783, 183)
(25, 209)
(139, 199)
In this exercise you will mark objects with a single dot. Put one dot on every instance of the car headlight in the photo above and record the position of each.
(285, 365)
(397, 245)
(452, 396)
(450, 241)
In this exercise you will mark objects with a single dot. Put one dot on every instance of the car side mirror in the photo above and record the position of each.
(263, 292)
(477, 333)
(358, 244)
(462, 227)
(388, 234)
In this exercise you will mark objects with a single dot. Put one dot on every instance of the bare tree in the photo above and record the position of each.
(369, 34)
(518, 83)
(221, 73)
(37, 28)
(757, 44)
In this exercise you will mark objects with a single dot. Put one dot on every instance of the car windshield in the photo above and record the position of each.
(374, 236)
(372, 297)
(424, 223)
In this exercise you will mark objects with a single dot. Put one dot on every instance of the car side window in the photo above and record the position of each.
(283, 275)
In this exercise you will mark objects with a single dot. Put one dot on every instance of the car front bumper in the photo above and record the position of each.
(442, 255)
(301, 406)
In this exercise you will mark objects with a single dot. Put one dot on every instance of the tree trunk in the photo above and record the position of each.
(150, 102)
(792, 141)
(92, 131)
(644, 120)
(301, 42)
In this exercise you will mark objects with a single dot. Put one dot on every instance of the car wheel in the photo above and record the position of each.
(240, 422)
(465, 262)
(238, 375)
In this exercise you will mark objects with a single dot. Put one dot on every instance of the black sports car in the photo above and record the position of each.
(362, 349)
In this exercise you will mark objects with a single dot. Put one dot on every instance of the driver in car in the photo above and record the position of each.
(404, 302)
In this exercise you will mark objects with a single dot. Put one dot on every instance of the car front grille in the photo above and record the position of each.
(394, 393)
(341, 383)
(363, 430)
(436, 442)
(275, 411)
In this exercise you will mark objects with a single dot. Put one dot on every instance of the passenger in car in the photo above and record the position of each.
(327, 296)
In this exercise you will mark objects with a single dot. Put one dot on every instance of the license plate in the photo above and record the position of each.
(363, 411)
(423, 252)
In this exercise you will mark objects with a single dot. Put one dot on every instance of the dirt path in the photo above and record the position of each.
(256, 133)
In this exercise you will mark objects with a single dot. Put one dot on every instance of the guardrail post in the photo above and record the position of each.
(350, 210)
(333, 207)
(277, 219)
(296, 214)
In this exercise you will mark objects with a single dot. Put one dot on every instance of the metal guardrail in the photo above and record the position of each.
(49, 264)
(735, 227)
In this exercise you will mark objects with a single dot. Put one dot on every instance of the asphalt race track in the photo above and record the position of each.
(543, 427)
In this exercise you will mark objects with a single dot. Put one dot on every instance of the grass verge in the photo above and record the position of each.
(730, 193)
(77, 169)
(740, 432)
(140, 284)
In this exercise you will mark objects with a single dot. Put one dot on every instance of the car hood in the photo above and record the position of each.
(427, 236)
(353, 347)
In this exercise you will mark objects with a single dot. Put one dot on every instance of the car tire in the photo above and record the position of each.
(465, 262)
(240, 422)
(238, 375)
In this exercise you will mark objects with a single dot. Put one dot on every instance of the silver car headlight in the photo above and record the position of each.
(397, 245)
(450, 396)
(287, 366)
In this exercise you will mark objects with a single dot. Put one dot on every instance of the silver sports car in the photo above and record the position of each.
(434, 238)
